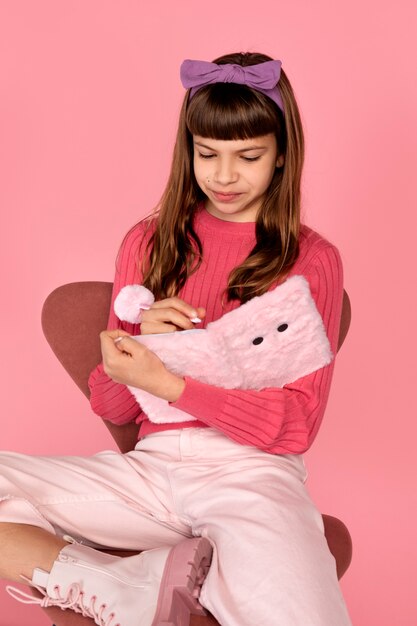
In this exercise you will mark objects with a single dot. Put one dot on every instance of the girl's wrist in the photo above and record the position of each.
(172, 388)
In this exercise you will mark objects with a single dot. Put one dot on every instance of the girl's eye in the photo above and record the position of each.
(211, 156)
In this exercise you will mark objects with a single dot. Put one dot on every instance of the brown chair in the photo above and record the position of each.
(72, 317)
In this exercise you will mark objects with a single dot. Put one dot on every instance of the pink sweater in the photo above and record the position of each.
(276, 420)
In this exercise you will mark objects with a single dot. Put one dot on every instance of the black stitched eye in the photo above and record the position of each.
(257, 341)
(282, 327)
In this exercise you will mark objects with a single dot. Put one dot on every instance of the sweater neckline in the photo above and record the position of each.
(219, 226)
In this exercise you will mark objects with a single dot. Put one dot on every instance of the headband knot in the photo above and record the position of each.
(234, 74)
(262, 77)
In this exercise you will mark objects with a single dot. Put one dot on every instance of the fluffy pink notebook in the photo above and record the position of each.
(270, 341)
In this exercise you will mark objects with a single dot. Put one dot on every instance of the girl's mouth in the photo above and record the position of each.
(225, 197)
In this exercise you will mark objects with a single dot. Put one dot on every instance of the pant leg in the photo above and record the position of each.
(272, 565)
(107, 500)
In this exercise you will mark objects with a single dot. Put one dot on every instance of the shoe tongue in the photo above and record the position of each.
(40, 577)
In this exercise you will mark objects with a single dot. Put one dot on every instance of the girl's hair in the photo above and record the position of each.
(230, 111)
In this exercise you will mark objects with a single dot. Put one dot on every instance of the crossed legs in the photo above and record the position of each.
(271, 559)
(96, 501)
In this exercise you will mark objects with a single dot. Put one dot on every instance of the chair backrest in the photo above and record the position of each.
(73, 316)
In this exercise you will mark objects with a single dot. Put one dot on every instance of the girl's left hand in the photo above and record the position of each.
(128, 362)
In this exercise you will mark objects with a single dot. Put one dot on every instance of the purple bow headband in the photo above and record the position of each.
(262, 77)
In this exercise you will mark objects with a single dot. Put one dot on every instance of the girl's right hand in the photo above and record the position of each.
(169, 315)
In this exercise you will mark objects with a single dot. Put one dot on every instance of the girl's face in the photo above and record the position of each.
(235, 174)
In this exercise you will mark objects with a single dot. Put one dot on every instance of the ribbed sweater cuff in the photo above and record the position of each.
(110, 400)
(201, 400)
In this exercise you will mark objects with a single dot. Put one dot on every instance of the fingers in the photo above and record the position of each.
(176, 304)
(126, 344)
(119, 352)
(151, 328)
(111, 340)
(114, 334)
(201, 313)
(173, 310)
(167, 316)
(170, 314)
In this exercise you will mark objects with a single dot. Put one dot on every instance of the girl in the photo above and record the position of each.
(227, 229)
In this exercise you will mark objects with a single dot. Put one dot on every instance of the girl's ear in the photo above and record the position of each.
(280, 161)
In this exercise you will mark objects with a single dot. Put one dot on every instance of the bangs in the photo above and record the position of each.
(229, 111)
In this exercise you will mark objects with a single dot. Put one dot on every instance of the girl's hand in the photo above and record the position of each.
(128, 362)
(169, 315)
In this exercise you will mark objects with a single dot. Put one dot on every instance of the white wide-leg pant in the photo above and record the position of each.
(271, 564)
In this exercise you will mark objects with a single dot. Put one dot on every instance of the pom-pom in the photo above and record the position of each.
(130, 301)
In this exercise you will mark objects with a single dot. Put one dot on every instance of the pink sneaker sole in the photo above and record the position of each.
(185, 570)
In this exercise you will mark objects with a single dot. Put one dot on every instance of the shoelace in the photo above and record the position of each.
(74, 599)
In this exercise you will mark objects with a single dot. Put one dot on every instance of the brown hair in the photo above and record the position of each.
(230, 111)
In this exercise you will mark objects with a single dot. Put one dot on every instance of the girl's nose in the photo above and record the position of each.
(225, 172)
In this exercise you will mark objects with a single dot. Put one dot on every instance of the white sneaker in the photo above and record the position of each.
(155, 588)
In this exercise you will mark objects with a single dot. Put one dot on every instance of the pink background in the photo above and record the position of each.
(89, 100)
